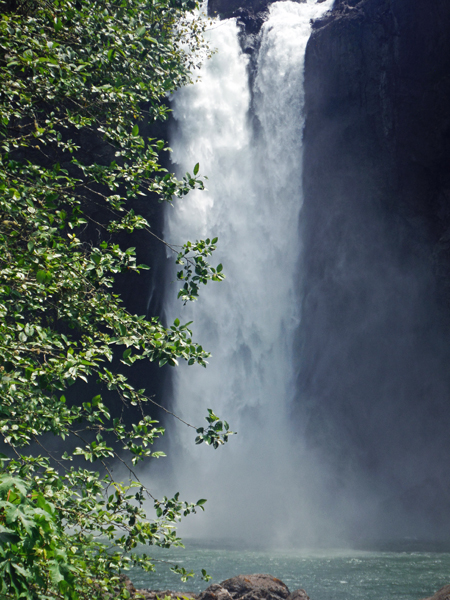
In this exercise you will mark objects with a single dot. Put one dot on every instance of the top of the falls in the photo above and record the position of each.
(250, 13)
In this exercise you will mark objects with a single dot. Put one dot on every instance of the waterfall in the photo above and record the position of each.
(249, 144)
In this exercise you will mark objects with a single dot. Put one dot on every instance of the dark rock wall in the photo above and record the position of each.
(231, 8)
(374, 346)
(142, 294)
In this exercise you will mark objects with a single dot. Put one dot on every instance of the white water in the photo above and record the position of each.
(248, 322)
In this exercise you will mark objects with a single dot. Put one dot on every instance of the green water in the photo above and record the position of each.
(405, 574)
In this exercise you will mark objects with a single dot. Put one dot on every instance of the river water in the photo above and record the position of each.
(403, 573)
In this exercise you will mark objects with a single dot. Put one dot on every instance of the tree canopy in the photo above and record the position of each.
(74, 71)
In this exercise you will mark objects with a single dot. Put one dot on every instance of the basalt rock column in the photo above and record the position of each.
(374, 347)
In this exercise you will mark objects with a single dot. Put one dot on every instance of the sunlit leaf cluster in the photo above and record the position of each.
(81, 82)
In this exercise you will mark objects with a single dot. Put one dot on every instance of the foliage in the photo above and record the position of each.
(71, 71)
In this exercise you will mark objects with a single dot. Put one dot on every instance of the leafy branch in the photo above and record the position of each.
(71, 71)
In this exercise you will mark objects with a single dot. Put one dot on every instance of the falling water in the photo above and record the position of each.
(249, 144)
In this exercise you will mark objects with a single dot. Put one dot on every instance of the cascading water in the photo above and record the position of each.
(249, 144)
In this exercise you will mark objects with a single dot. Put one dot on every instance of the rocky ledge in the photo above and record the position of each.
(242, 587)
(442, 594)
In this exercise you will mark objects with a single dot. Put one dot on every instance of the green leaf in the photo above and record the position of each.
(41, 276)
(55, 572)
(8, 483)
(57, 24)
(24, 572)
(78, 79)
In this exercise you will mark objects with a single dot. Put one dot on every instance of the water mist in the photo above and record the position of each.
(249, 144)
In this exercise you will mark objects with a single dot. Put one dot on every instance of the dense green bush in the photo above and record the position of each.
(68, 69)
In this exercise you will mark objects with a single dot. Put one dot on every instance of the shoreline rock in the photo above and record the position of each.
(442, 594)
(242, 587)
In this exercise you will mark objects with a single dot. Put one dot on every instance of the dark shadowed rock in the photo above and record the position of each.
(376, 253)
(229, 8)
(442, 594)
(298, 595)
(241, 587)
(215, 592)
(250, 13)
(256, 587)
(161, 594)
(128, 584)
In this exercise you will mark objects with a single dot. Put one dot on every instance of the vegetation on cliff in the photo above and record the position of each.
(72, 72)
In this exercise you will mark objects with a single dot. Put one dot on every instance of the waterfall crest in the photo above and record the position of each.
(249, 144)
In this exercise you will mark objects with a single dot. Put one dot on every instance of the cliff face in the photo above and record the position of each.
(381, 71)
(374, 343)
(374, 348)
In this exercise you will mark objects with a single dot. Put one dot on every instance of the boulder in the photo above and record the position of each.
(442, 594)
(215, 592)
(161, 594)
(298, 595)
(241, 587)
(252, 587)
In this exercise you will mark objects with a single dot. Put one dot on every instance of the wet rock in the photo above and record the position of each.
(241, 587)
(255, 587)
(229, 8)
(215, 592)
(375, 240)
(161, 594)
(298, 595)
(251, 14)
(128, 584)
(442, 594)
(249, 587)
